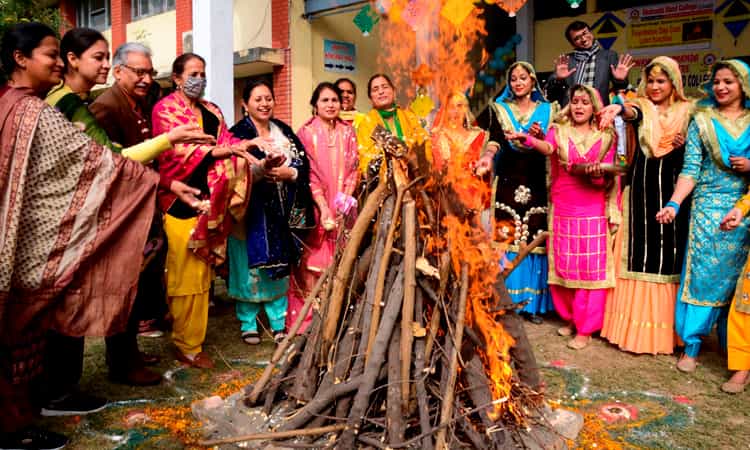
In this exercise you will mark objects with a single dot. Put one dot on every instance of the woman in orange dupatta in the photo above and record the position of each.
(457, 146)
(197, 242)
(640, 316)
(331, 146)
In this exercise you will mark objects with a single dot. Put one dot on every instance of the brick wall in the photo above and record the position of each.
(184, 13)
(68, 13)
(282, 76)
(120, 14)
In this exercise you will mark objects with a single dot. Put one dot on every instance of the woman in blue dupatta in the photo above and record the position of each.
(263, 249)
(520, 184)
(715, 170)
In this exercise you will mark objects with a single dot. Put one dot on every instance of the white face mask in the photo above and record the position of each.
(193, 87)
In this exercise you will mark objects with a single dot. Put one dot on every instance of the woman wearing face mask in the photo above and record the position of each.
(640, 316)
(583, 213)
(268, 242)
(197, 242)
(715, 170)
(75, 218)
(331, 146)
(400, 122)
(521, 184)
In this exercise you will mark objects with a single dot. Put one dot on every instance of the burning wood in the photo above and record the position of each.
(415, 354)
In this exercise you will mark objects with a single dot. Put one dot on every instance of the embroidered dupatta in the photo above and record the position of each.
(724, 138)
(410, 126)
(228, 179)
(657, 131)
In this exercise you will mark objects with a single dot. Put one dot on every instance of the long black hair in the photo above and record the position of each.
(22, 37)
(77, 41)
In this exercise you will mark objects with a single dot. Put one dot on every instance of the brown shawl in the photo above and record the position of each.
(73, 222)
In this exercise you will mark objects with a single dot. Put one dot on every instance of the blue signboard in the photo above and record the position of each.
(339, 56)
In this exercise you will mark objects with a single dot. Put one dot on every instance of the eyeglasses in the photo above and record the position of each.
(140, 73)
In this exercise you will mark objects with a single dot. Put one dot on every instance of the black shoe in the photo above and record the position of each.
(536, 320)
(32, 439)
(74, 404)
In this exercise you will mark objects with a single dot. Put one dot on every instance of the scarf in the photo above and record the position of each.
(586, 64)
(385, 115)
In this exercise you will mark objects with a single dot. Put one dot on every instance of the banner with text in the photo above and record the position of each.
(679, 23)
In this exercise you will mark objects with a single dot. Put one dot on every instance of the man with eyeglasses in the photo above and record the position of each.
(122, 111)
(588, 64)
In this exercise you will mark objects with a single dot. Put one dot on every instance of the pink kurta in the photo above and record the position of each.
(581, 266)
(333, 173)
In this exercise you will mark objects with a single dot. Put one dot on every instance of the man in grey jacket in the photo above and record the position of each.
(588, 64)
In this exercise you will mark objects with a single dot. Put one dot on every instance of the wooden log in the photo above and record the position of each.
(382, 270)
(477, 440)
(445, 267)
(252, 398)
(419, 375)
(524, 252)
(306, 372)
(480, 394)
(346, 263)
(374, 362)
(447, 407)
(289, 361)
(409, 238)
(394, 412)
(271, 436)
(320, 402)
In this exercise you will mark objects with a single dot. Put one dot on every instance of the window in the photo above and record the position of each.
(93, 14)
(552, 9)
(144, 8)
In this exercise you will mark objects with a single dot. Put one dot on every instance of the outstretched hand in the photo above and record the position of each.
(562, 67)
(624, 64)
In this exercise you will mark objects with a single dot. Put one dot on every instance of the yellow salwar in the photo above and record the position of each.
(188, 286)
(639, 316)
(738, 332)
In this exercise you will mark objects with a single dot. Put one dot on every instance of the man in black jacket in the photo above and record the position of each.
(588, 64)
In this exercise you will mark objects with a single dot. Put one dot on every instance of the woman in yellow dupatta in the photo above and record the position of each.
(640, 316)
(401, 122)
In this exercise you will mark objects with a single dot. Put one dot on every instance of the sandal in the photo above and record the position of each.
(579, 344)
(251, 337)
(565, 331)
(278, 336)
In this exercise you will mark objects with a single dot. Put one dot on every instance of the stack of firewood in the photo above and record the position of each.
(395, 356)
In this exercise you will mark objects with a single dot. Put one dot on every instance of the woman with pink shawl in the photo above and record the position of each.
(583, 215)
(331, 146)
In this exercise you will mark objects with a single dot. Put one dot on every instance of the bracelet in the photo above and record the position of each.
(528, 142)
(674, 205)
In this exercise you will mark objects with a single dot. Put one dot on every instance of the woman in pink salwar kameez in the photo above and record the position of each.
(583, 213)
(331, 146)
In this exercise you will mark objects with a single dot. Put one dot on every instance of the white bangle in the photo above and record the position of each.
(294, 173)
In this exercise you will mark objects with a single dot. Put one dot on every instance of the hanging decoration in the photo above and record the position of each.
(511, 6)
(574, 3)
(366, 19)
(422, 105)
(499, 61)
(456, 11)
(414, 13)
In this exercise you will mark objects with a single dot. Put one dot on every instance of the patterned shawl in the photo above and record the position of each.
(228, 179)
(73, 222)
(410, 126)
(657, 131)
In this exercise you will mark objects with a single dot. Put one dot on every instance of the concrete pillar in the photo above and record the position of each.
(213, 40)
(525, 27)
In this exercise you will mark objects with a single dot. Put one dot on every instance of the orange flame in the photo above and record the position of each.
(453, 52)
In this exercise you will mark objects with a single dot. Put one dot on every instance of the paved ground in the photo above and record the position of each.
(629, 401)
